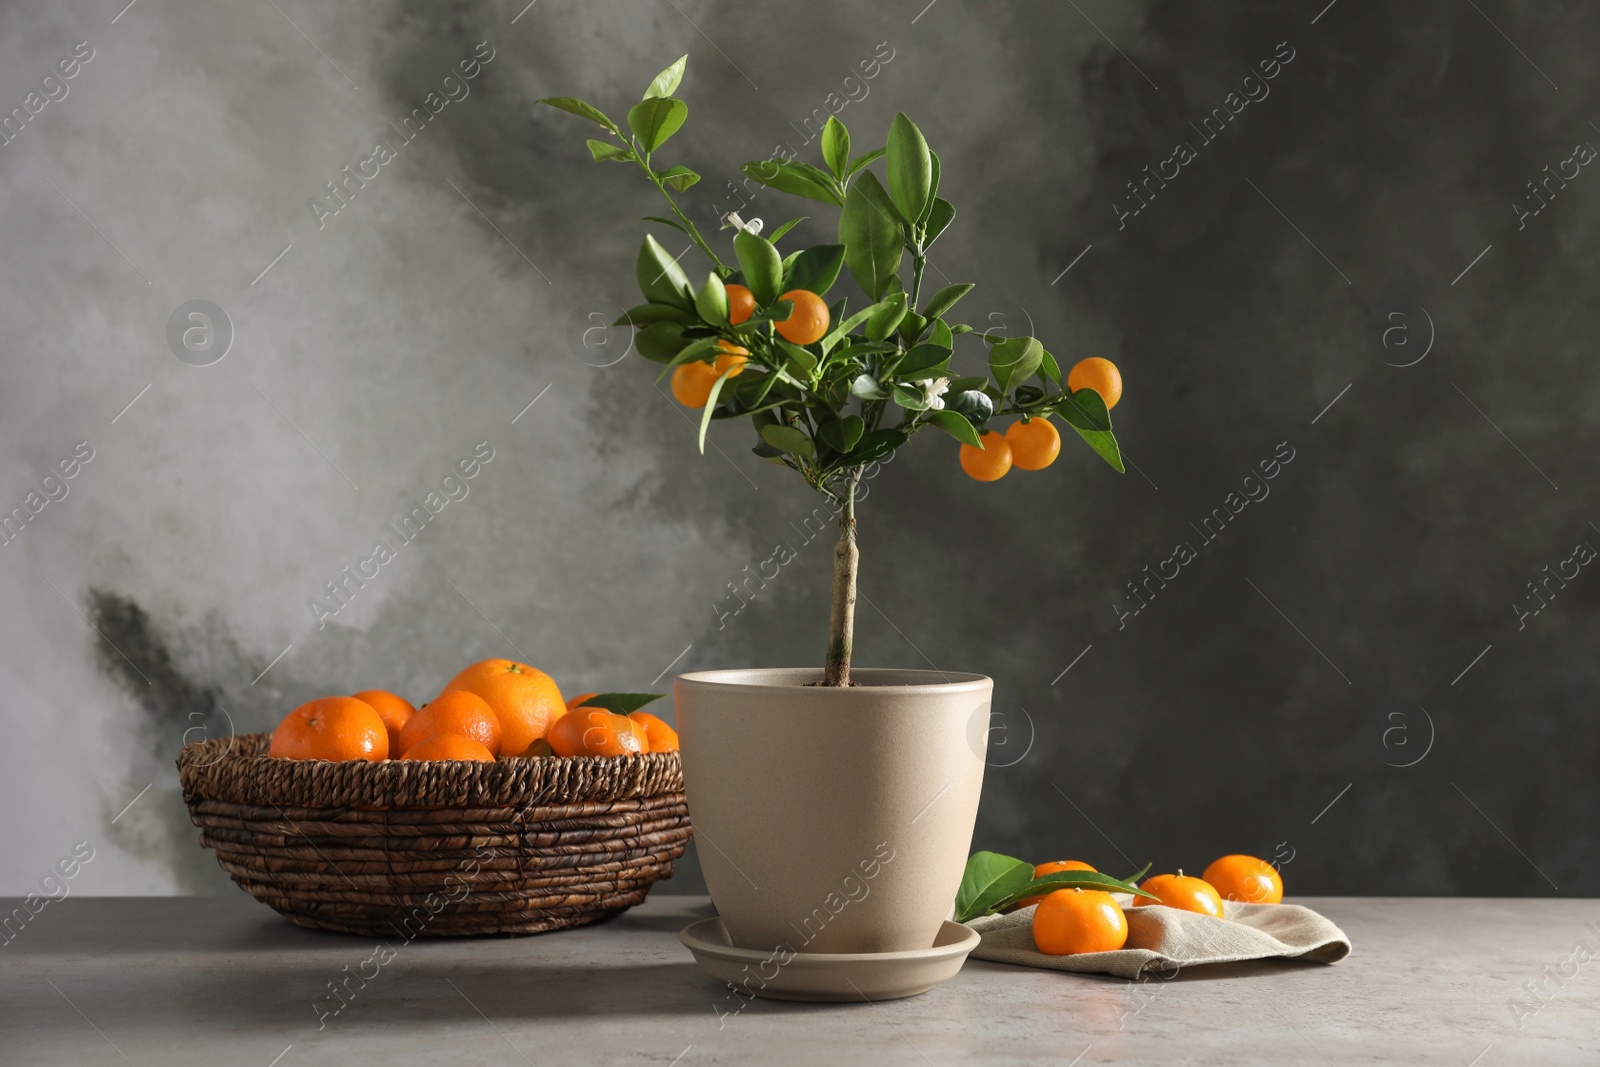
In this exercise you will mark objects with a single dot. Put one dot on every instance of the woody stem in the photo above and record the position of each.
(842, 617)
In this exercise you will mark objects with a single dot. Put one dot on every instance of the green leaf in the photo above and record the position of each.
(883, 321)
(656, 118)
(788, 439)
(922, 358)
(938, 218)
(973, 381)
(933, 187)
(605, 150)
(798, 179)
(866, 387)
(799, 358)
(843, 434)
(622, 703)
(666, 83)
(674, 223)
(911, 326)
(699, 349)
(680, 178)
(1138, 875)
(836, 148)
(762, 266)
(1084, 409)
(945, 299)
(712, 301)
(661, 280)
(1014, 360)
(709, 411)
(648, 314)
(1050, 368)
(815, 268)
(910, 168)
(1104, 444)
(1076, 880)
(989, 879)
(660, 341)
(873, 447)
(573, 106)
(862, 161)
(941, 334)
(786, 227)
(957, 426)
(910, 397)
(871, 236)
(778, 312)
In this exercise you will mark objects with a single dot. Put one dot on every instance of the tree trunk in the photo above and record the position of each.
(842, 618)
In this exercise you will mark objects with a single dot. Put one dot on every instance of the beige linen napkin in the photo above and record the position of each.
(1162, 939)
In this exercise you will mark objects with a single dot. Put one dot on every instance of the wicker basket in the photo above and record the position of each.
(416, 848)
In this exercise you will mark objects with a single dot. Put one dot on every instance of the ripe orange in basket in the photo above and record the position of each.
(1070, 921)
(593, 732)
(523, 698)
(449, 747)
(1184, 892)
(660, 736)
(458, 712)
(393, 710)
(331, 728)
(1053, 867)
(1246, 878)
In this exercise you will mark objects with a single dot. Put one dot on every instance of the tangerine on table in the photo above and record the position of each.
(1245, 878)
(1073, 921)
(741, 303)
(1184, 892)
(691, 383)
(331, 728)
(593, 732)
(1053, 867)
(661, 737)
(458, 712)
(808, 321)
(524, 699)
(1098, 374)
(393, 710)
(449, 747)
(989, 463)
(1034, 442)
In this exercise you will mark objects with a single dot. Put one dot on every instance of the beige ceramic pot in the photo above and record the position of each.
(833, 819)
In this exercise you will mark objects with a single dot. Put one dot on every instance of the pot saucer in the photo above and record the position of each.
(828, 976)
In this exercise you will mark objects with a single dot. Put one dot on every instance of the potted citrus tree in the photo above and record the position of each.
(834, 806)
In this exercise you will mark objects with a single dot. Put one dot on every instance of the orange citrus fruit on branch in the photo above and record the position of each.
(741, 303)
(449, 747)
(808, 321)
(1098, 374)
(331, 728)
(1072, 921)
(524, 699)
(691, 383)
(1053, 867)
(593, 732)
(1246, 878)
(1035, 444)
(393, 710)
(458, 712)
(1184, 892)
(989, 463)
(732, 357)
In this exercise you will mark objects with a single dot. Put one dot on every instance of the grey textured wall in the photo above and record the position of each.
(1343, 679)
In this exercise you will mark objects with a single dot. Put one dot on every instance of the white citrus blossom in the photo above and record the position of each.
(732, 219)
(933, 390)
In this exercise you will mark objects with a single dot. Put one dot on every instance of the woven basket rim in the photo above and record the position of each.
(237, 770)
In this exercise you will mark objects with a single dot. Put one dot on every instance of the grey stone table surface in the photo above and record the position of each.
(217, 980)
